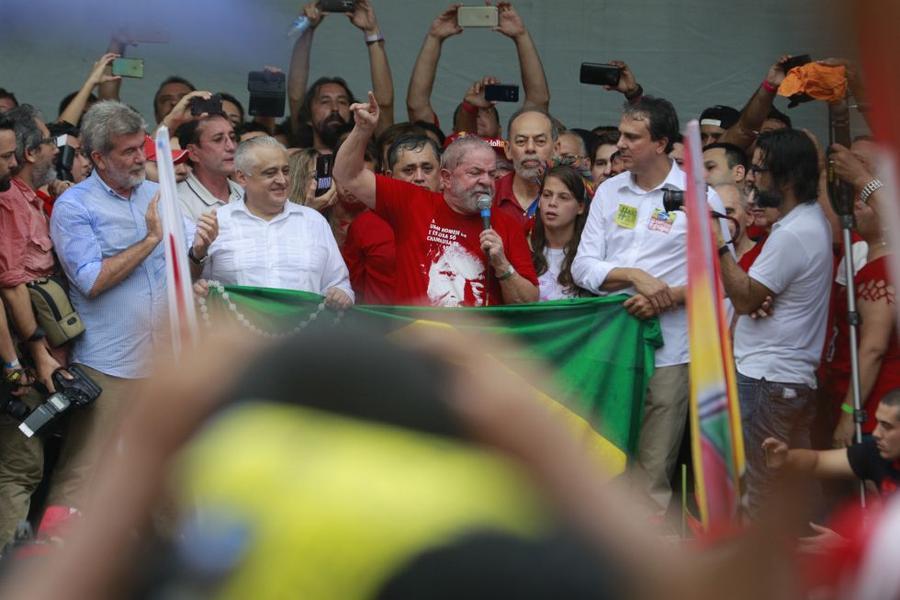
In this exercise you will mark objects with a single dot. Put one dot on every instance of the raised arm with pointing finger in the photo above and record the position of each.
(349, 164)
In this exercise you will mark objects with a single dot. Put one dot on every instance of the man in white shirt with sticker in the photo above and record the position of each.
(777, 357)
(266, 241)
(631, 244)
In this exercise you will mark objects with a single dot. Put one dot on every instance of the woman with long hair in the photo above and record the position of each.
(562, 212)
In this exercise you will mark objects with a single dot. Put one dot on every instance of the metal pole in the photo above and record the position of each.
(842, 198)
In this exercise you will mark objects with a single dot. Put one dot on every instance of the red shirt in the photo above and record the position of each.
(746, 261)
(371, 257)
(439, 259)
(505, 202)
(871, 278)
(26, 251)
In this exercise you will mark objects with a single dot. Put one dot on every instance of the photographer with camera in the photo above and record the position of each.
(26, 255)
(107, 233)
(633, 243)
(777, 357)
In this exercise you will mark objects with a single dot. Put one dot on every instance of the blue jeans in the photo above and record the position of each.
(784, 411)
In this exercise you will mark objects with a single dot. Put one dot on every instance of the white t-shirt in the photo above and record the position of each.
(796, 264)
(548, 283)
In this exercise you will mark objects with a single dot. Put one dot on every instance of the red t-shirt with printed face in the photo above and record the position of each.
(439, 259)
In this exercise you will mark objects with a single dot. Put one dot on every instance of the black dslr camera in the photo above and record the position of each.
(673, 200)
(81, 390)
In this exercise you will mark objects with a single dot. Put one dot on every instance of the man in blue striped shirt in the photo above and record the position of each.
(106, 231)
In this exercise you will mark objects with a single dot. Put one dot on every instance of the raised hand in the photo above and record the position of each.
(509, 23)
(363, 17)
(366, 114)
(445, 24)
(475, 94)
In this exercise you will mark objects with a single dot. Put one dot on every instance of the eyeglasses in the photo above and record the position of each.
(756, 169)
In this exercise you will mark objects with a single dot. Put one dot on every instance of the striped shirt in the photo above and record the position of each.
(125, 325)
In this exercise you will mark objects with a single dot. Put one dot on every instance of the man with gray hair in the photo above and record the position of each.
(266, 241)
(532, 143)
(445, 255)
(107, 234)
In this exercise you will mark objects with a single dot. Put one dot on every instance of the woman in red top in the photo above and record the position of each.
(879, 353)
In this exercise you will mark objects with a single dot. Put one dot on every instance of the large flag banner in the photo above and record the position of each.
(716, 438)
(600, 357)
(182, 315)
(879, 50)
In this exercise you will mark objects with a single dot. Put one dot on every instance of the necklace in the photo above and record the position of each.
(219, 289)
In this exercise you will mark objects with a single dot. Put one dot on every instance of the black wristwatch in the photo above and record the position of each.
(723, 250)
(194, 259)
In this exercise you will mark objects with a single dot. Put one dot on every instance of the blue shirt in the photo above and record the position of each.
(127, 322)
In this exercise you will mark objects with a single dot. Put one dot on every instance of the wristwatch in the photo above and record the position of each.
(724, 249)
(194, 259)
(507, 274)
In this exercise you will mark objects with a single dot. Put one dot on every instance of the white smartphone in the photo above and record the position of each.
(477, 16)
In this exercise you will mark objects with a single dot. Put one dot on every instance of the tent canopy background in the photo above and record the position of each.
(695, 52)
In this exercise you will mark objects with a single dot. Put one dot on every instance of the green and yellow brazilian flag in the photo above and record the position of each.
(600, 357)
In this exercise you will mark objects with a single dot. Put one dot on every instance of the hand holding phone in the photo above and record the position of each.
(501, 93)
(600, 74)
(200, 105)
(128, 67)
(337, 6)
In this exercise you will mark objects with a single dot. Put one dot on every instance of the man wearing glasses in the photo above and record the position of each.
(777, 356)
(26, 254)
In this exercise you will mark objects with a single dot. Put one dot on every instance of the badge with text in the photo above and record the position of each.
(662, 221)
(626, 216)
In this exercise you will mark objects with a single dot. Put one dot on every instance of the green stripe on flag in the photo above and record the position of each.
(601, 358)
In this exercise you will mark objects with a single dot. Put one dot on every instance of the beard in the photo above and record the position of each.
(44, 175)
(5, 183)
(534, 174)
(468, 198)
(127, 179)
(330, 128)
(767, 199)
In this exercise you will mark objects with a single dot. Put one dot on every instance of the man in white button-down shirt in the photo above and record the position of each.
(266, 241)
(631, 244)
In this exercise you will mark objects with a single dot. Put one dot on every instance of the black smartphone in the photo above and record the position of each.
(202, 105)
(501, 93)
(600, 74)
(324, 164)
(796, 61)
(128, 67)
(336, 6)
(267, 93)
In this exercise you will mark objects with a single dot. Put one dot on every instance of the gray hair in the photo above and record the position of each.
(106, 120)
(554, 124)
(28, 134)
(731, 187)
(455, 152)
(244, 156)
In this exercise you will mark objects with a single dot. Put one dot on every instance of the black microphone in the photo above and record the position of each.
(484, 206)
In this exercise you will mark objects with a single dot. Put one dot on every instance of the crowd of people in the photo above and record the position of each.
(576, 210)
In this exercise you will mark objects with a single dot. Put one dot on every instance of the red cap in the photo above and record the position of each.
(498, 144)
(178, 156)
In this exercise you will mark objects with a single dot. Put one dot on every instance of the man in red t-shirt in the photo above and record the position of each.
(444, 256)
